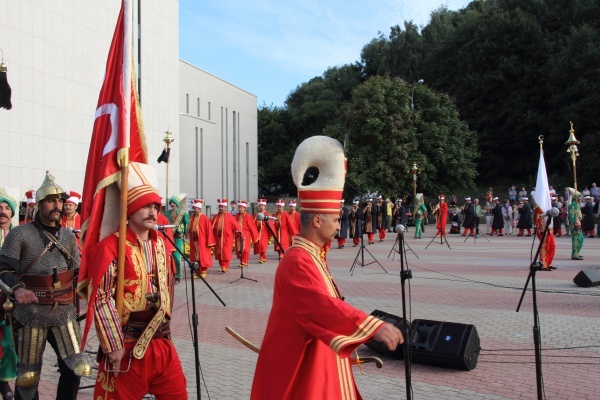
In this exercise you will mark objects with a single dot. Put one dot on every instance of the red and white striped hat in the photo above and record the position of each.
(222, 201)
(74, 197)
(242, 203)
(262, 201)
(198, 203)
(292, 203)
(323, 195)
(280, 202)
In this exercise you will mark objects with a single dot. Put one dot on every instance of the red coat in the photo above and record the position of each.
(201, 240)
(442, 216)
(310, 334)
(295, 221)
(224, 227)
(249, 233)
(263, 233)
(283, 229)
(74, 222)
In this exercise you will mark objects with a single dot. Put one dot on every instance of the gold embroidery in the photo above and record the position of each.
(165, 303)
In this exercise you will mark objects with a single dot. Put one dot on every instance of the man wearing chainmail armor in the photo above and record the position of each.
(37, 267)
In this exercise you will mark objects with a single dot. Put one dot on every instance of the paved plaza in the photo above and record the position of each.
(474, 282)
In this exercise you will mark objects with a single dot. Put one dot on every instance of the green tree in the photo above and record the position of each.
(384, 137)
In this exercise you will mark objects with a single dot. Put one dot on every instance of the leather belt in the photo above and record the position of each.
(138, 320)
(51, 289)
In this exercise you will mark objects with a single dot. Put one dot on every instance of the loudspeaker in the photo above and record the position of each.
(379, 347)
(587, 278)
(445, 344)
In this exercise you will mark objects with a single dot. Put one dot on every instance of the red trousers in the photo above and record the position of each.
(158, 373)
(341, 241)
(371, 237)
(382, 234)
(355, 240)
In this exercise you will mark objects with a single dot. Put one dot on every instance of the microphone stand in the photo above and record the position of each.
(279, 248)
(535, 266)
(405, 274)
(194, 313)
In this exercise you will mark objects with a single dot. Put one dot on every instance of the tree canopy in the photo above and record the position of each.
(497, 74)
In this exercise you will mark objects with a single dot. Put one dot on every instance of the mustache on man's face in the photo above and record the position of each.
(56, 210)
(4, 215)
(150, 219)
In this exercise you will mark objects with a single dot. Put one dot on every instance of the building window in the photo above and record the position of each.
(209, 110)
(187, 103)
(198, 106)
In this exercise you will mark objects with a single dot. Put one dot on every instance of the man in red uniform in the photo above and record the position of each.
(310, 324)
(441, 216)
(284, 229)
(294, 219)
(137, 355)
(71, 218)
(202, 239)
(224, 229)
(246, 233)
(262, 245)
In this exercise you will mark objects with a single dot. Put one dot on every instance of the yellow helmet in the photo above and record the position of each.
(49, 189)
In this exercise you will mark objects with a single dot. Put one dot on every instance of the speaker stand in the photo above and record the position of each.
(396, 248)
(442, 235)
(477, 234)
(242, 268)
(361, 254)
(533, 268)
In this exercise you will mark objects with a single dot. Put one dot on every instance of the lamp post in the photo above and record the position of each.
(414, 86)
(572, 142)
(415, 169)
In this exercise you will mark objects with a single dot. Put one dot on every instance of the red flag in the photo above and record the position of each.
(117, 126)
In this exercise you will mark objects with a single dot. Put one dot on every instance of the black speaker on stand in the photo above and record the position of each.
(379, 347)
(445, 344)
(587, 278)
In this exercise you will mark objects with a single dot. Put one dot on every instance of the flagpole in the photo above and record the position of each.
(168, 140)
(123, 154)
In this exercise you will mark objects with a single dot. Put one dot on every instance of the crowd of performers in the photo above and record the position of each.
(41, 256)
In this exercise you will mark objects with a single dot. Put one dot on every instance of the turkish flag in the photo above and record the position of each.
(117, 126)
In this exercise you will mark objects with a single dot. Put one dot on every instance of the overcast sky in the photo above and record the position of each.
(269, 47)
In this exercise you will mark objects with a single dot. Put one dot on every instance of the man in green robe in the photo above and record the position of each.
(575, 218)
(8, 362)
(179, 217)
(420, 214)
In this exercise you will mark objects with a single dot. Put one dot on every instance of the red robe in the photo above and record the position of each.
(263, 233)
(284, 230)
(224, 228)
(442, 217)
(160, 354)
(295, 221)
(310, 334)
(249, 235)
(74, 223)
(201, 240)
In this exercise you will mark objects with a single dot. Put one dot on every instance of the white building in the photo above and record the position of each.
(55, 52)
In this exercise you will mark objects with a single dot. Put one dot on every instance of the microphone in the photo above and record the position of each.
(163, 227)
(553, 212)
(70, 229)
(400, 228)
(262, 217)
